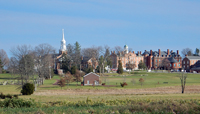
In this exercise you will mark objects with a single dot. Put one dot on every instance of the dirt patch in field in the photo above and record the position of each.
(159, 90)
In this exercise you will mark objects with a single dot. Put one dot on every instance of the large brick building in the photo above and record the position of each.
(87, 62)
(162, 59)
(126, 57)
(190, 63)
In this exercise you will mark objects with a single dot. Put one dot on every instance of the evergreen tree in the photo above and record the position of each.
(66, 61)
(90, 69)
(77, 54)
(120, 69)
(73, 70)
(196, 52)
(142, 65)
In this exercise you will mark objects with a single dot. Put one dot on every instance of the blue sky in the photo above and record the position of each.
(141, 24)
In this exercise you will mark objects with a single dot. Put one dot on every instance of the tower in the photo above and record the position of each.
(125, 49)
(63, 44)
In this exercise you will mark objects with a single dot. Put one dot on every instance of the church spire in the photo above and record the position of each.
(63, 43)
(63, 39)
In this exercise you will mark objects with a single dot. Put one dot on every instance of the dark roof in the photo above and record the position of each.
(85, 59)
(193, 57)
(172, 60)
(163, 53)
(195, 68)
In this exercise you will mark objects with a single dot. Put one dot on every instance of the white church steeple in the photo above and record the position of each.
(63, 43)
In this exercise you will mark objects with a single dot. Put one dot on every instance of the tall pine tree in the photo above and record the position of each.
(120, 69)
(77, 54)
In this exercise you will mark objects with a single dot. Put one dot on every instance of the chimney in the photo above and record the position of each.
(186, 55)
(118, 51)
(133, 52)
(114, 52)
(151, 53)
(145, 50)
(167, 51)
(171, 51)
(159, 52)
(140, 52)
(111, 52)
(177, 52)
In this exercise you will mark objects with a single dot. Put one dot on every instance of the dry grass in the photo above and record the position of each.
(158, 90)
(191, 92)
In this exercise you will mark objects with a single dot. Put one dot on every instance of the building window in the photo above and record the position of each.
(159, 60)
(183, 62)
(187, 62)
(174, 65)
(88, 82)
(156, 65)
(170, 65)
(187, 66)
(156, 60)
(179, 60)
(183, 66)
(179, 65)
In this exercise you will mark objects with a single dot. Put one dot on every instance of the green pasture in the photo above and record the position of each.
(113, 80)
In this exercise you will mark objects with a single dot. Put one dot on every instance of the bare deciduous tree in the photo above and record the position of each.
(68, 78)
(187, 51)
(4, 57)
(165, 64)
(118, 48)
(141, 80)
(44, 60)
(183, 77)
(77, 76)
(61, 82)
(23, 56)
(13, 66)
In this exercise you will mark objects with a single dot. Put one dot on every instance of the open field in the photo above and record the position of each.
(153, 94)
(150, 89)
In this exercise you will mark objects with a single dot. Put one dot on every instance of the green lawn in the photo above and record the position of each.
(152, 80)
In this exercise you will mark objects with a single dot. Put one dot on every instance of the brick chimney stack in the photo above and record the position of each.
(114, 52)
(133, 52)
(151, 53)
(167, 51)
(111, 52)
(159, 52)
(138, 53)
(177, 52)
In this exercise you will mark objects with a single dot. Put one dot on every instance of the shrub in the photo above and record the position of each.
(9, 96)
(27, 89)
(123, 84)
(2, 96)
